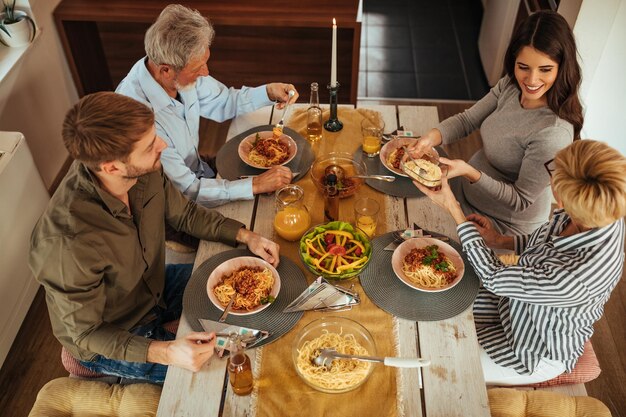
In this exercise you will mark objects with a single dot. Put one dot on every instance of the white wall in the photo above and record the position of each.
(37, 93)
(600, 32)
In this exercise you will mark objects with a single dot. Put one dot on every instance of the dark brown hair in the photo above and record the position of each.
(104, 126)
(548, 32)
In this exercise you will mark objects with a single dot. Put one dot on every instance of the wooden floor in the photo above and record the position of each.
(35, 359)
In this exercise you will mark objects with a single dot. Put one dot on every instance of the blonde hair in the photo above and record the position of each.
(178, 35)
(590, 180)
(104, 126)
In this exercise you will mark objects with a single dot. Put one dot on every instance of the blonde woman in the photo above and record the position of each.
(533, 318)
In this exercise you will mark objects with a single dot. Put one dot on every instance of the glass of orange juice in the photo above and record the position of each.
(292, 218)
(372, 131)
(366, 215)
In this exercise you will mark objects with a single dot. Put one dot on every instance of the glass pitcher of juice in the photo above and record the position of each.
(292, 217)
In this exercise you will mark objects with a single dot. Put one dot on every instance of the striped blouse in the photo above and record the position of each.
(546, 305)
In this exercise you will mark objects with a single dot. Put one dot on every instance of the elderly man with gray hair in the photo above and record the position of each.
(173, 80)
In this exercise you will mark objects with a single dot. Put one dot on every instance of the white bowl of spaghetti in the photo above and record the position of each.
(343, 335)
(264, 150)
(428, 265)
(254, 283)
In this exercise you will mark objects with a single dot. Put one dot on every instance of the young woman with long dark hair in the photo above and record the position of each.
(529, 115)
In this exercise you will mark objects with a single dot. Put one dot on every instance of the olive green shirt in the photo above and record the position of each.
(103, 268)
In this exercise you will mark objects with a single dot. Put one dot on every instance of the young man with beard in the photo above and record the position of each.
(99, 248)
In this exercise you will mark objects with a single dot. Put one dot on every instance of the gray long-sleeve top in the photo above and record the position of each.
(514, 186)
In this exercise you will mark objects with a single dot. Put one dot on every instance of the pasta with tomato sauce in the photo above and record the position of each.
(251, 287)
(428, 268)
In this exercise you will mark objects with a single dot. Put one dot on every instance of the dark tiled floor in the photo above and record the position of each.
(421, 49)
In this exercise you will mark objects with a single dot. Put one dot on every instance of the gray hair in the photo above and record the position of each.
(178, 35)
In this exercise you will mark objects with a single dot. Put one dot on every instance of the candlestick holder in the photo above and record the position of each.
(333, 124)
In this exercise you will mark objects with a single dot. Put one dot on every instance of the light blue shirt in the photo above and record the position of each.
(178, 122)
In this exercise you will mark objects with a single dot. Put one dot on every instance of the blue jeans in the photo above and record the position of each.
(176, 278)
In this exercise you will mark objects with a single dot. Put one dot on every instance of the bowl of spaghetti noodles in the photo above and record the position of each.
(345, 336)
(254, 283)
(264, 150)
(428, 265)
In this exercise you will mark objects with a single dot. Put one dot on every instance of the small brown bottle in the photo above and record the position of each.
(239, 368)
(331, 198)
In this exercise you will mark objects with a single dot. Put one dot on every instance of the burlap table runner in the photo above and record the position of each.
(377, 397)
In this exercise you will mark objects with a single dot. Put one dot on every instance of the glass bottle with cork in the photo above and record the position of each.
(239, 367)
(314, 116)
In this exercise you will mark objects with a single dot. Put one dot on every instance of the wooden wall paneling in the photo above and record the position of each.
(255, 44)
(84, 51)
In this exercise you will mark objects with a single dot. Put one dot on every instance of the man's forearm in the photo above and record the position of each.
(157, 352)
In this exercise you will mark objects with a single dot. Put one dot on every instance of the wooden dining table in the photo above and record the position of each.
(453, 385)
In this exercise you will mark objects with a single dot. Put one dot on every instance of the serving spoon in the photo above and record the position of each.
(326, 356)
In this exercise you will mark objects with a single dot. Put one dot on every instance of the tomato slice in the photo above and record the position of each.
(337, 250)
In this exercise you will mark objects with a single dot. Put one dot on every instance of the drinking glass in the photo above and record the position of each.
(366, 215)
(372, 131)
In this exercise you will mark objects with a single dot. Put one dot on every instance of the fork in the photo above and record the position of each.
(422, 171)
(280, 125)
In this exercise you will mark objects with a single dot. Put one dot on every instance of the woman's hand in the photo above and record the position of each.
(260, 246)
(425, 143)
(444, 198)
(460, 168)
(488, 232)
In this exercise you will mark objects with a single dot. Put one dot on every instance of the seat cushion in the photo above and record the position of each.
(65, 397)
(508, 402)
(74, 367)
(587, 369)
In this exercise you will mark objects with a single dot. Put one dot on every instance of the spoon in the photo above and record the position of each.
(341, 174)
(281, 124)
(222, 318)
(326, 357)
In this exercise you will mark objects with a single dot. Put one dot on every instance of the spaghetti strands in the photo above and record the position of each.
(428, 268)
(251, 287)
(267, 152)
(344, 374)
(395, 158)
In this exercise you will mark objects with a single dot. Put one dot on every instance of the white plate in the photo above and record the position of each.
(233, 264)
(388, 149)
(245, 146)
(418, 243)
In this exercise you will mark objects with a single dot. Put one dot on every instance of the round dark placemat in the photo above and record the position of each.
(401, 187)
(384, 288)
(231, 167)
(196, 303)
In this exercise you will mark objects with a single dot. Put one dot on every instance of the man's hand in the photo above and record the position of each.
(280, 92)
(492, 238)
(259, 245)
(190, 352)
(444, 198)
(460, 168)
(271, 180)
